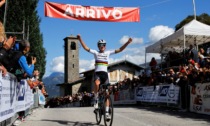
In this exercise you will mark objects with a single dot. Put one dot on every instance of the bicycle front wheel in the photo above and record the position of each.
(108, 119)
(98, 113)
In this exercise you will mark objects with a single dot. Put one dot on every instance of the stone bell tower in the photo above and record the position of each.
(71, 65)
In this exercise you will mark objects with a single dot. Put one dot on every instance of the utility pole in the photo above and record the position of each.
(194, 9)
(5, 15)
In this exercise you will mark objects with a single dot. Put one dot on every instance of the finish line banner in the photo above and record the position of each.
(91, 13)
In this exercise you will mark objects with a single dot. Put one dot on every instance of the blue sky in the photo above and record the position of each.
(157, 20)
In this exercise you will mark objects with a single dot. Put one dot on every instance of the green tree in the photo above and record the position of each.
(19, 11)
(204, 18)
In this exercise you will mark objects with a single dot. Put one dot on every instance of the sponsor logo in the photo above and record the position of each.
(6, 112)
(197, 108)
(163, 91)
(206, 96)
(41, 98)
(12, 91)
(20, 93)
(171, 93)
(144, 95)
(139, 91)
(207, 88)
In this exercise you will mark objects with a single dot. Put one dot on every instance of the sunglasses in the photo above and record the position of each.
(100, 45)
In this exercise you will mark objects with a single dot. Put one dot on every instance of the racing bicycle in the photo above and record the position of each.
(104, 96)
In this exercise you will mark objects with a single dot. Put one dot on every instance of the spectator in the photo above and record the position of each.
(153, 80)
(2, 2)
(70, 99)
(125, 82)
(183, 84)
(3, 69)
(5, 45)
(19, 65)
(43, 90)
(171, 72)
(153, 64)
(85, 99)
(34, 82)
(80, 100)
(2, 33)
(193, 53)
(183, 69)
(5, 51)
(201, 57)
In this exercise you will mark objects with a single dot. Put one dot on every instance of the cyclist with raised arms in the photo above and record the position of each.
(101, 64)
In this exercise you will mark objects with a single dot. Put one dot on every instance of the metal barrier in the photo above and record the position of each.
(16, 97)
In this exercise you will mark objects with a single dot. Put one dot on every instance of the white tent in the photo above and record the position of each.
(194, 32)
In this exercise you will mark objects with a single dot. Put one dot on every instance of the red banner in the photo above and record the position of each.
(91, 13)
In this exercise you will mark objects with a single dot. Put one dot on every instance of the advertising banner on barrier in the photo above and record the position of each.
(147, 94)
(168, 94)
(24, 96)
(20, 96)
(29, 96)
(200, 98)
(7, 96)
(14, 96)
(160, 94)
(92, 13)
(173, 94)
(41, 98)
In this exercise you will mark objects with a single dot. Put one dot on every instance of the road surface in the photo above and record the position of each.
(123, 116)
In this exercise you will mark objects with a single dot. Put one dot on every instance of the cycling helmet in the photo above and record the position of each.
(101, 41)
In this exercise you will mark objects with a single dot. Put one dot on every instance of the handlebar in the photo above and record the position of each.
(105, 86)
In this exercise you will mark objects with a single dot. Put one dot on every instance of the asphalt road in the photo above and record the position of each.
(123, 116)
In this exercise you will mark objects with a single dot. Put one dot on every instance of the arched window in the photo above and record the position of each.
(73, 46)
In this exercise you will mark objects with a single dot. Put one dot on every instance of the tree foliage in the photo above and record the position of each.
(22, 17)
(204, 18)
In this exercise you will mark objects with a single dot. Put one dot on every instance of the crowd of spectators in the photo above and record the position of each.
(84, 99)
(186, 69)
(195, 67)
(127, 83)
(14, 59)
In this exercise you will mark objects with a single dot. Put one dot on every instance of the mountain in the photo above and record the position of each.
(51, 82)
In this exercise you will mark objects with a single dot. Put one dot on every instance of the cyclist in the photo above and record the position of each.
(101, 64)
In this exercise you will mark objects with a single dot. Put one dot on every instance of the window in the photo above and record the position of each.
(73, 46)
(73, 65)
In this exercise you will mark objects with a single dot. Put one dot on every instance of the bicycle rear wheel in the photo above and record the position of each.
(108, 121)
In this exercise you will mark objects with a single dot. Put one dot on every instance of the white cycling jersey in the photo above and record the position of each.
(101, 59)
